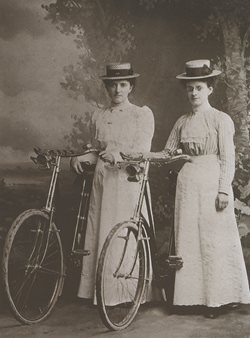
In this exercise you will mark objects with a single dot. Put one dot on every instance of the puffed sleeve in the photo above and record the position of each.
(145, 129)
(226, 152)
(174, 138)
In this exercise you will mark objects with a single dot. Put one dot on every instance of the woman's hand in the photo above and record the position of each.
(221, 201)
(107, 157)
(75, 164)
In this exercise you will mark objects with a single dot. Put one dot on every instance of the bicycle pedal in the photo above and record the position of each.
(81, 252)
(174, 259)
(174, 262)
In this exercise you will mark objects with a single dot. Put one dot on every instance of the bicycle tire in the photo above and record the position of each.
(118, 313)
(32, 267)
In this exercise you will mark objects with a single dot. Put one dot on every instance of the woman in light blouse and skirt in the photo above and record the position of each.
(120, 127)
(206, 234)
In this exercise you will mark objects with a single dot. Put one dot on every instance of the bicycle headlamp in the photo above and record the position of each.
(133, 172)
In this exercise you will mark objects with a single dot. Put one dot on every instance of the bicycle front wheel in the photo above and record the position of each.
(32, 266)
(121, 276)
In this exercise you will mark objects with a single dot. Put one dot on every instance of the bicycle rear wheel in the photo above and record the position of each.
(121, 276)
(32, 267)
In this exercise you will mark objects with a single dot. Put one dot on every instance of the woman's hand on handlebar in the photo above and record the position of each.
(75, 165)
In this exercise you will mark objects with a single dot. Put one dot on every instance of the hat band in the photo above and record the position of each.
(198, 71)
(119, 72)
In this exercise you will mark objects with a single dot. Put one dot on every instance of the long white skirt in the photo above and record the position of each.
(113, 200)
(214, 271)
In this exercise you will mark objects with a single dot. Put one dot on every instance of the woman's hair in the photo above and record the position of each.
(132, 82)
(210, 81)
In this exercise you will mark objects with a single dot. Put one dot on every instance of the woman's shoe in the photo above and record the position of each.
(232, 306)
(212, 312)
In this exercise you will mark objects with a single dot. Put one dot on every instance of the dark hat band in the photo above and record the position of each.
(198, 71)
(119, 72)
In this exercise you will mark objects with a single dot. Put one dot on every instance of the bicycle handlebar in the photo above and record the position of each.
(46, 157)
(65, 153)
(134, 166)
(175, 158)
(154, 160)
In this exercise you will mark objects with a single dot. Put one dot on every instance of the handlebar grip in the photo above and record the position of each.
(171, 159)
(135, 157)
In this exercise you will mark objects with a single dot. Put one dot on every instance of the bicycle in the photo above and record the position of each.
(129, 260)
(33, 265)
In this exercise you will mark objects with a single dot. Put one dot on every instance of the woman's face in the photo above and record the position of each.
(118, 90)
(198, 92)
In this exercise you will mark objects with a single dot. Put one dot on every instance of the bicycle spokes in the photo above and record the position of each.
(121, 276)
(35, 267)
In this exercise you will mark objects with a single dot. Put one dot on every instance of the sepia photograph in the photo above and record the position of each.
(125, 168)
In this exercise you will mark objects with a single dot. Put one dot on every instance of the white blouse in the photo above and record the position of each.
(204, 133)
(126, 128)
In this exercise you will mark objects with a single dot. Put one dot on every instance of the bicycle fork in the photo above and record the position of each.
(143, 238)
(35, 260)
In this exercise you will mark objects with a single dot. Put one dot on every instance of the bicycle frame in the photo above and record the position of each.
(56, 169)
(81, 221)
(146, 228)
(49, 208)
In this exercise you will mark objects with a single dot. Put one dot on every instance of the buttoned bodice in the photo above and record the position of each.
(125, 128)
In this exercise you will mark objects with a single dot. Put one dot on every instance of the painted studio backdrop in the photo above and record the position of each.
(51, 54)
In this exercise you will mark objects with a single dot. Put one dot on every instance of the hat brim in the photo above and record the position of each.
(126, 77)
(184, 76)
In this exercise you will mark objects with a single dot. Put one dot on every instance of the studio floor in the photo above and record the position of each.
(72, 318)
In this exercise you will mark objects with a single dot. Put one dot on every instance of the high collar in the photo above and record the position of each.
(202, 110)
(120, 106)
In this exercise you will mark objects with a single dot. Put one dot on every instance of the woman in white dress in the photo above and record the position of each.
(206, 233)
(121, 127)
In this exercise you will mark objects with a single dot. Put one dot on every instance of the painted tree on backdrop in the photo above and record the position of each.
(101, 34)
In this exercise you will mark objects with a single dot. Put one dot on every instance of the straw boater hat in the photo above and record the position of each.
(198, 69)
(119, 71)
